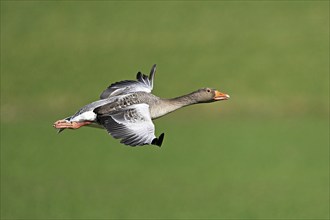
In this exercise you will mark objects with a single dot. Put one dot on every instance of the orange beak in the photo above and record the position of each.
(220, 96)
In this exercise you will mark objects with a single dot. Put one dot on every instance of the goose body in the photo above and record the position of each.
(126, 110)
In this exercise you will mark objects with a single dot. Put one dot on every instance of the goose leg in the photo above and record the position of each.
(71, 125)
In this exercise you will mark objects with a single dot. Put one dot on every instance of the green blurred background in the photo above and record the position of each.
(262, 154)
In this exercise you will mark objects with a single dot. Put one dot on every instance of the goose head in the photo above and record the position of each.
(206, 95)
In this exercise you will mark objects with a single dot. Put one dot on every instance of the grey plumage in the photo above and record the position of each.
(126, 109)
(143, 84)
(132, 125)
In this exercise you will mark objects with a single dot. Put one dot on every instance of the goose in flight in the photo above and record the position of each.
(126, 110)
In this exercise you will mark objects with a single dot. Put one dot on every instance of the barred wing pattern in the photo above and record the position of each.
(143, 84)
(132, 125)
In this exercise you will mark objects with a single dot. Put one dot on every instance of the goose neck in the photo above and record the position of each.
(165, 106)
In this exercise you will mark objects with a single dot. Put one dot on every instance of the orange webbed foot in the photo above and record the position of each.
(70, 124)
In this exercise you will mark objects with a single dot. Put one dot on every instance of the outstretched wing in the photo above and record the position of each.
(143, 84)
(132, 125)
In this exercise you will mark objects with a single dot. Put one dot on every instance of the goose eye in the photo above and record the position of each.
(208, 90)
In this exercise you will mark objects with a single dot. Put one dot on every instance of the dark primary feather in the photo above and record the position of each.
(152, 75)
(143, 84)
(145, 79)
(158, 141)
(126, 109)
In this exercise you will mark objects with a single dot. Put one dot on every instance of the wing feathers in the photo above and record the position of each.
(152, 75)
(132, 125)
(143, 84)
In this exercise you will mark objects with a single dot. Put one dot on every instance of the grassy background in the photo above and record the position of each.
(262, 154)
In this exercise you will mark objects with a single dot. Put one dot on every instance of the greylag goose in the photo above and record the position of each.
(126, 110)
